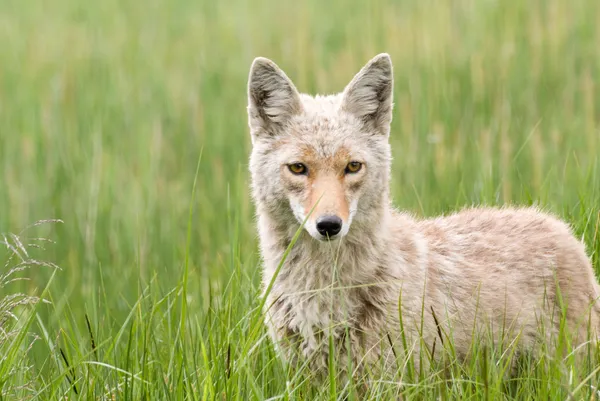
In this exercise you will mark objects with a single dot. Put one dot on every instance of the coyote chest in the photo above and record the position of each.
(306, 326)
(310, 305)
(306, 321)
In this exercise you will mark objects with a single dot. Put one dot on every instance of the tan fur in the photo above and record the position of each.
(500, 273)
(327, 196)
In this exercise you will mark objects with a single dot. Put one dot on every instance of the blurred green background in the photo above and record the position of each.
(107, 107)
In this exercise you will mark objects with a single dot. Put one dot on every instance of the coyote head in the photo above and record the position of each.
(325, 159)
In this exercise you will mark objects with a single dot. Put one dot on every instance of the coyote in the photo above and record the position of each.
(377, 283)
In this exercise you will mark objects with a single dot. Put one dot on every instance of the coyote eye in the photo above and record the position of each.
(297, 168)
(353, 167)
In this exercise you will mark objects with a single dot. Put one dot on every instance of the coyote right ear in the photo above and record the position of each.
(272, 98)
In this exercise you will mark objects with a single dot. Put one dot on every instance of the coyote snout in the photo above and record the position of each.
(322, 197)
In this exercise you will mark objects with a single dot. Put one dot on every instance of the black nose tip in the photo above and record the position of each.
(329, 226)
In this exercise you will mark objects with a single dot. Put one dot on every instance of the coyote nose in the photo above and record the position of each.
(328, 226)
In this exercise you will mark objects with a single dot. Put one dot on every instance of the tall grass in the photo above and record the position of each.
(106, 107)
(16, 339)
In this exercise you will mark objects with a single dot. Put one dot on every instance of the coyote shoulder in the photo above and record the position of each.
(378, 281)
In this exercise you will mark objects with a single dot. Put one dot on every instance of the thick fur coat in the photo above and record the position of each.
(381, 283)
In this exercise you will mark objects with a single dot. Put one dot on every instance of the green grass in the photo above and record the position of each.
(107, 108)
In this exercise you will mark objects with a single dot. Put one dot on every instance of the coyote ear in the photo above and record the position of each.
(369, 95)
(272, 98)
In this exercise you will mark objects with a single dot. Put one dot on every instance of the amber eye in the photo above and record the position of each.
(297, 168)
(353, 167)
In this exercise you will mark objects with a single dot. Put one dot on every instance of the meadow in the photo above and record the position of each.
(126, 121)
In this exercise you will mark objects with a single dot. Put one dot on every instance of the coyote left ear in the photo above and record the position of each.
(272, 99)
(369, 95)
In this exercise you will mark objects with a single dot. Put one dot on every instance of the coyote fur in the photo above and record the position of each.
(377, 283)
